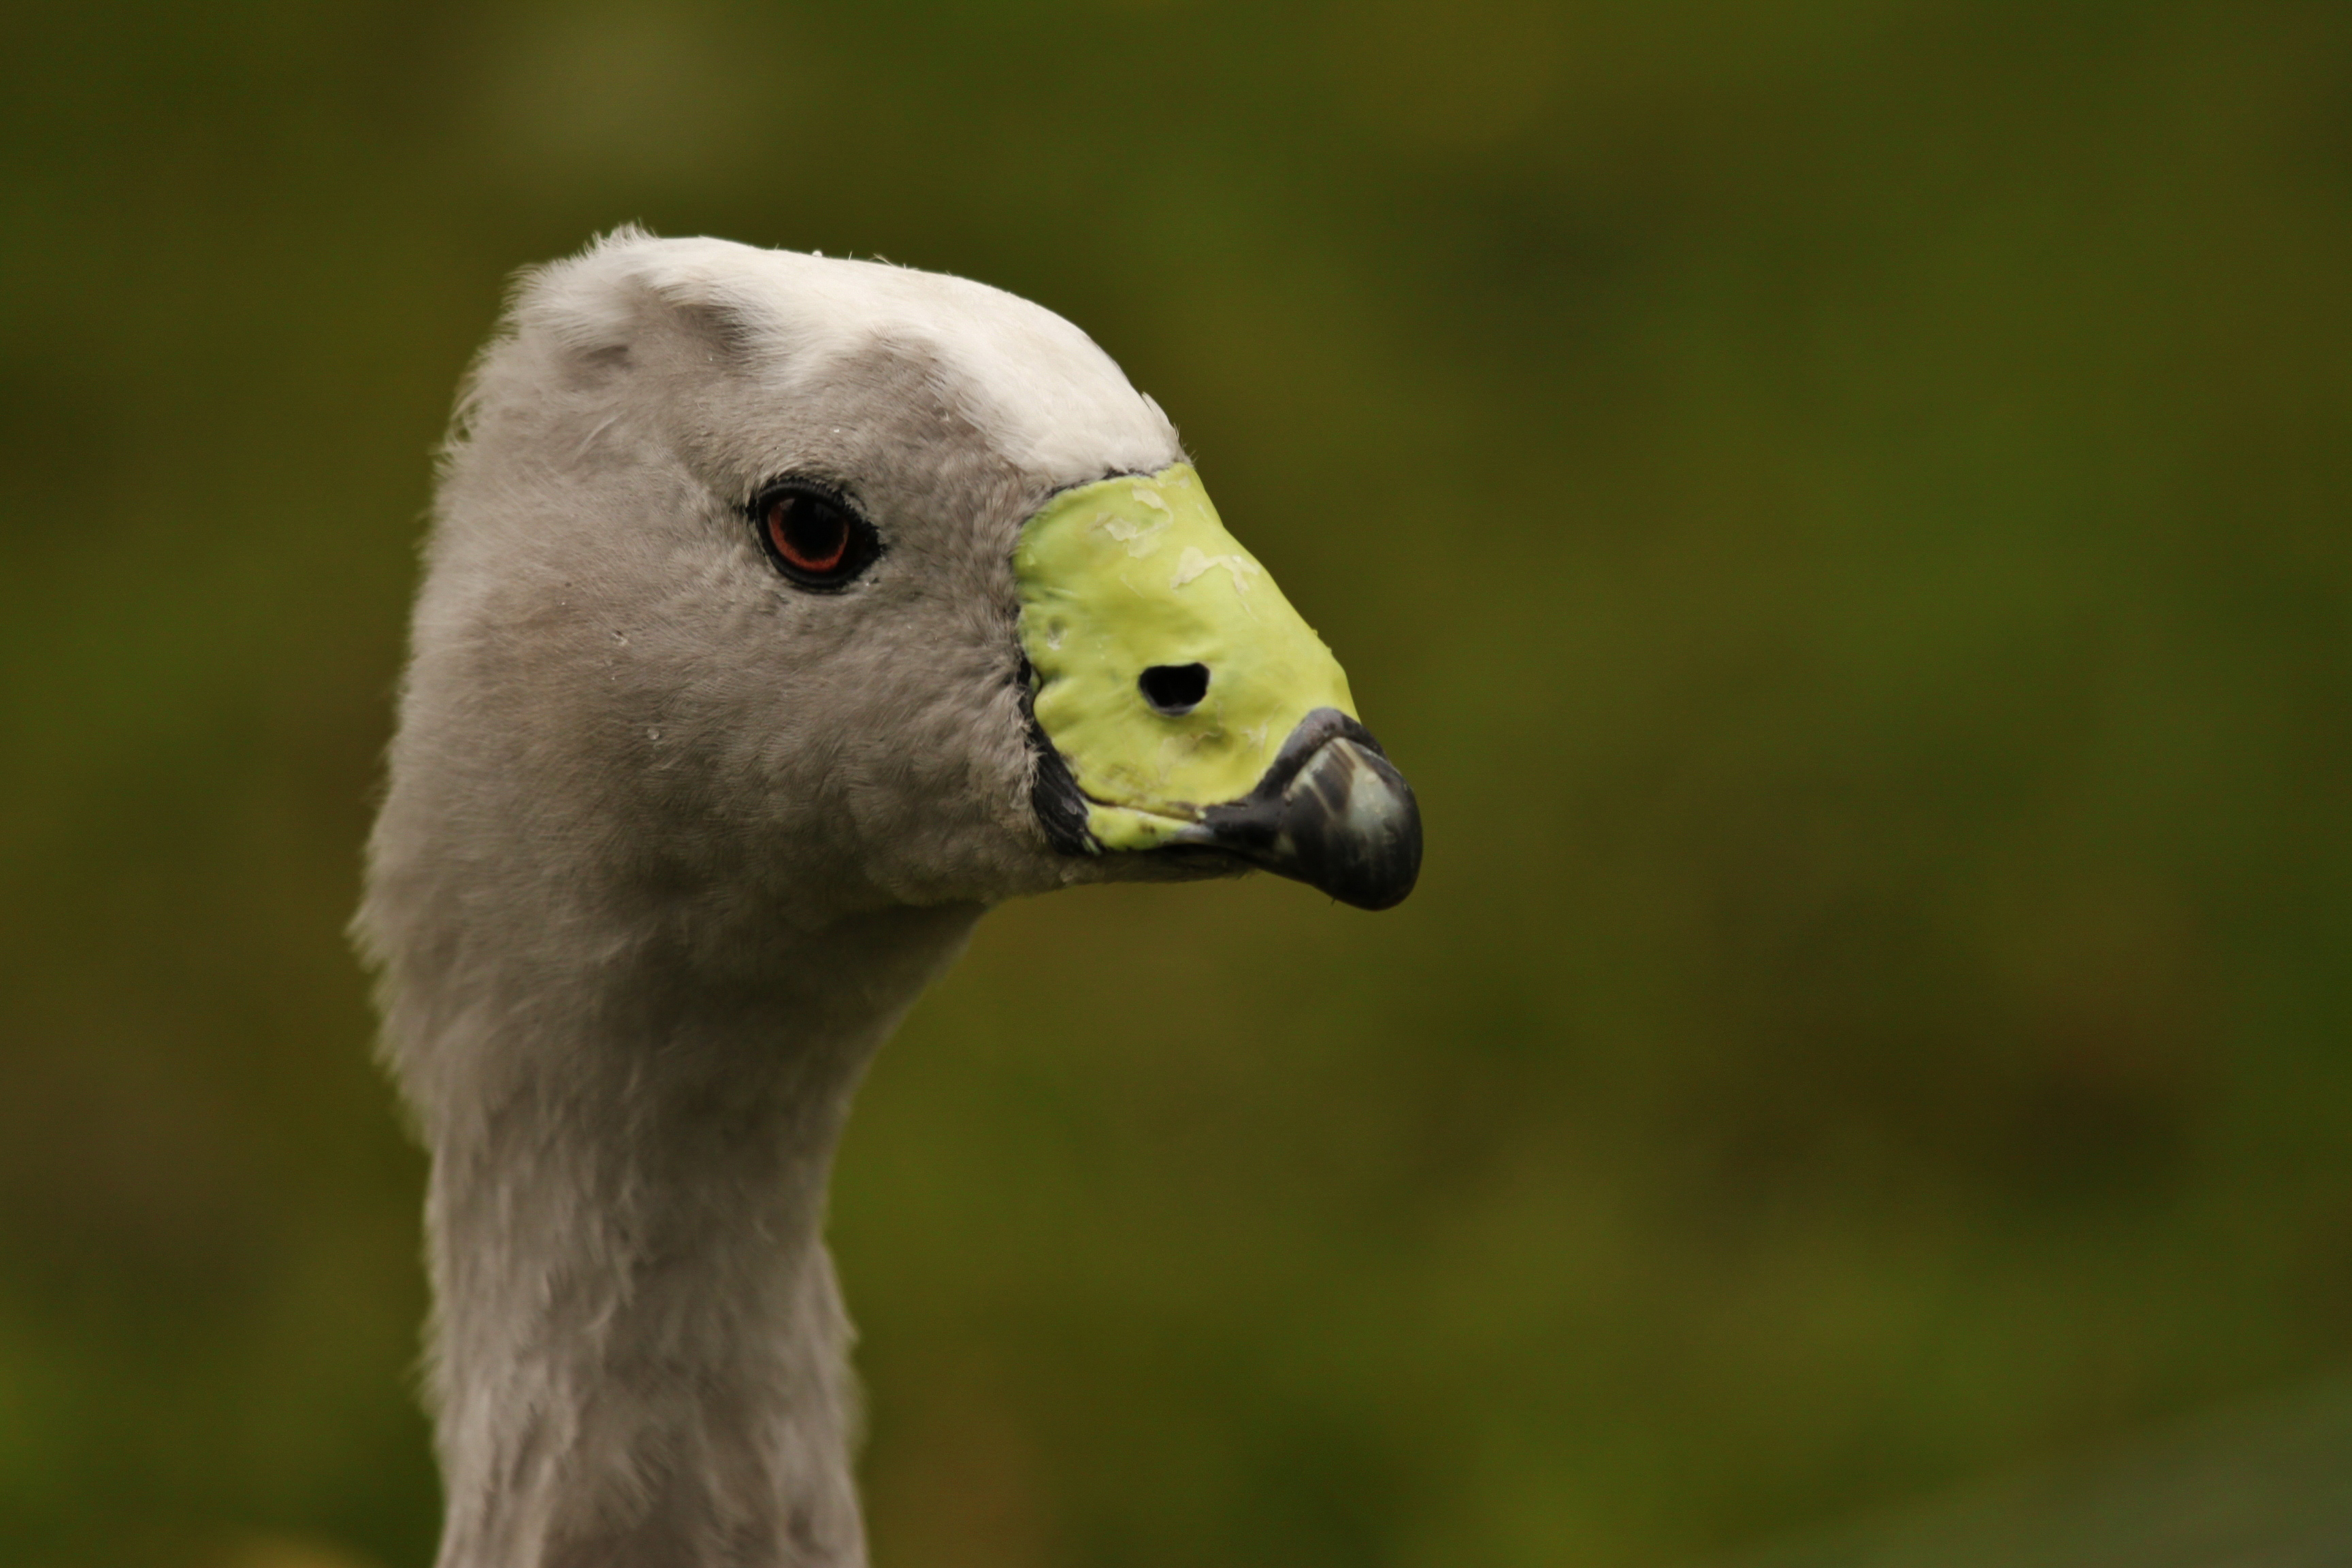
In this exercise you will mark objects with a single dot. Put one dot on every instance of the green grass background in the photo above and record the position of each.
(1840, 507)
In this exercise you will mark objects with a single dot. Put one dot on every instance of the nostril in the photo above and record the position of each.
(1174, 690)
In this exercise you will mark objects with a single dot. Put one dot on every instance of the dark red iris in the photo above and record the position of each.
(809, 535)
(812, 533)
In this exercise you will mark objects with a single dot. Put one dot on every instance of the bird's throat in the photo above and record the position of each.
(639, 1347)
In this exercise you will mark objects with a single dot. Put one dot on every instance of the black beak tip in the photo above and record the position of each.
(1359, 839)
(1332, 811)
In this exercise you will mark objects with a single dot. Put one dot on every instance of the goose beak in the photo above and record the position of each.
(1182, 707)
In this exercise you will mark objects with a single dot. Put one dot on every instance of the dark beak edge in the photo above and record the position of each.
(1331, 811)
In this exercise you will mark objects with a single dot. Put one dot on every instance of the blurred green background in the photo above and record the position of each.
(1840, 508)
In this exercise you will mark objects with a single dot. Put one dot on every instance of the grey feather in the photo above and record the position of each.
(670, 845)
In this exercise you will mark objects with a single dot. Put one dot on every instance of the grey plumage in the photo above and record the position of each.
(670, 847)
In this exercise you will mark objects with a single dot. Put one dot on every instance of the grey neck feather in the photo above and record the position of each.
(641, 1343)
(670, 845)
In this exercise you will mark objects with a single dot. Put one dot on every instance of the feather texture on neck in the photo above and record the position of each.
(641, 1355)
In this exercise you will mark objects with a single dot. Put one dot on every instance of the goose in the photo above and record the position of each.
(780, 615)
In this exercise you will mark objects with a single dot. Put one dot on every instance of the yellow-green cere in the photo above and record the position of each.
(1124, 574)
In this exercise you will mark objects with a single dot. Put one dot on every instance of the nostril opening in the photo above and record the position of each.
(1174, 690)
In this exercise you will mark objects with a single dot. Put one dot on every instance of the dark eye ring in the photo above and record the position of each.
(812, 534)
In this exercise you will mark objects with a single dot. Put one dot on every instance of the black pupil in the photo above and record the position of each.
(1175, 688)
(809, 533)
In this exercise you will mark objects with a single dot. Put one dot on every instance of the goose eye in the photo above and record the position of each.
(814, 539)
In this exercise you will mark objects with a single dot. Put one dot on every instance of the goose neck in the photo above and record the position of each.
(640, 1349)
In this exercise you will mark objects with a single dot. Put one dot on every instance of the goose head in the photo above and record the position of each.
(813, 587)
